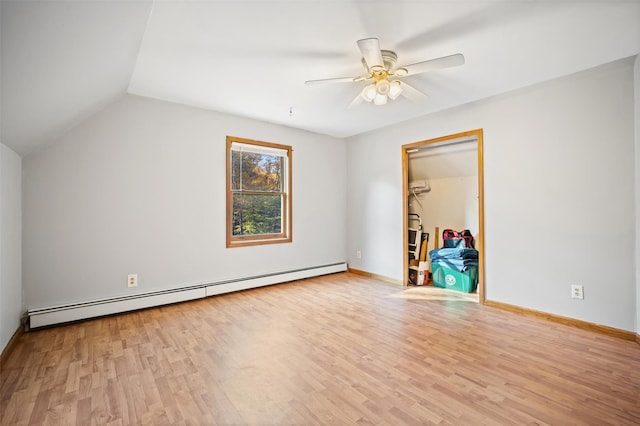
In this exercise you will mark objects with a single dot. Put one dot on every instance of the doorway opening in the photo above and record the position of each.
(443, 189)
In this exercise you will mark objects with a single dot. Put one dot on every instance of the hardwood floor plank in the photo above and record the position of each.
(40, 407)
(338, 349)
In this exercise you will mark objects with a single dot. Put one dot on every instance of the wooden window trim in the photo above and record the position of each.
(252, 240)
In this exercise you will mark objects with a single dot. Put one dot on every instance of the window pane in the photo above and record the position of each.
(256, 214)
(256, 172)
(258, 192)
(235, 170)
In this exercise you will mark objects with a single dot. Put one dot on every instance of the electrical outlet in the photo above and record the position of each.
(358, 254)
(577, 292)
(132, 280)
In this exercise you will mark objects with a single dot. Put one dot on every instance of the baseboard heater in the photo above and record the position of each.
(43, 317)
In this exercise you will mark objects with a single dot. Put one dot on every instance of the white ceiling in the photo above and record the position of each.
(63, 61)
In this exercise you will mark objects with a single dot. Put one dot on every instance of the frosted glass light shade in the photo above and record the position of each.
(395, 89)
(380, 99)
(369, 93)
(382, 87)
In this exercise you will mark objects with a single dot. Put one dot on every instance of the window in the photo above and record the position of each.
(258, 192)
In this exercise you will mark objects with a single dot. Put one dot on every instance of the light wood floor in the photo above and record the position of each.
(339, 349)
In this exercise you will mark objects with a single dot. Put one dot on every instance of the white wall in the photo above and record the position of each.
(10, 243)
(140, 188)
(559, 193)
(452, 203)
(636, 74)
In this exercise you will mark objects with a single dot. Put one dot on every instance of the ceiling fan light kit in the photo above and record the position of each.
(382, 90)
(380, 68)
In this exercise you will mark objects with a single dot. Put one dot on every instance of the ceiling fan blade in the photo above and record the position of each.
(355, 102)
(411, 93)
(370, 49)
(333, 80)
(432, 64)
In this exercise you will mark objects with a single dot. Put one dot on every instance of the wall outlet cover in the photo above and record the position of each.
(577, 292)
(132, 280)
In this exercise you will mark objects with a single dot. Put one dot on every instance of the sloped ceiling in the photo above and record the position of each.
(63, 61)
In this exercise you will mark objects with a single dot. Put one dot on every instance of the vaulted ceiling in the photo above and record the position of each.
(62, 61)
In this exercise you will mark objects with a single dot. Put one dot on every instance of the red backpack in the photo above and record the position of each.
(455, 239)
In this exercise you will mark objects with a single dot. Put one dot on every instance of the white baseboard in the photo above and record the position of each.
(43, 317)
(269, 279)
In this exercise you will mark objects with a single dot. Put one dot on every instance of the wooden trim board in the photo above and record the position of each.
(572, 322)
(6, 352)
(374, 276)
(478, 134)
(602, 329)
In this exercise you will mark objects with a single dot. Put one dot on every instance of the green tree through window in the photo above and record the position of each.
(258, 200)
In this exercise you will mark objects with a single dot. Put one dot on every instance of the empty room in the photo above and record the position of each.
(309, 212)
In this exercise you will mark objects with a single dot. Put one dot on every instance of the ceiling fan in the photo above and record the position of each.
(383, 75)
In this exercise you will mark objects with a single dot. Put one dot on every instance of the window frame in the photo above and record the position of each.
(250, 240)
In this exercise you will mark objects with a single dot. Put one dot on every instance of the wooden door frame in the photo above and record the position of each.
(477, 133)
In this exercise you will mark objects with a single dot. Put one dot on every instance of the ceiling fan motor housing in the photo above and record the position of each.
(388, 57)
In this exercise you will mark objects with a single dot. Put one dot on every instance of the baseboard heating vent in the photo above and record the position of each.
(43, 317)
(97, 308)
(276, 278)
